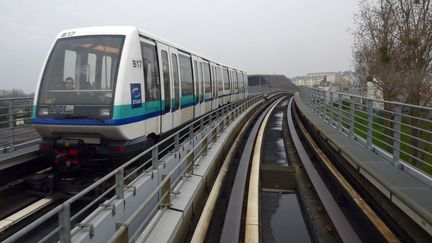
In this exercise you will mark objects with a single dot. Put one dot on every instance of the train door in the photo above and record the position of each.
(166, 84)
(231, 85)
(239, 78)
(152, 86)
(208, 87)
(197, 77)
(225, 84)
(175, 104)
(202, 87)
(215, 82)
(245, 85)
(187, 99)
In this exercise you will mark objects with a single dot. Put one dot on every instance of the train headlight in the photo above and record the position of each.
(104, 112)
(43, 111)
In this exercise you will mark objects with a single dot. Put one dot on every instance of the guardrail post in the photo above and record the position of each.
(340, 110)
(189, 163)
(155, 157)
(11, 127)
(205, 146)
(191, 134)
(352, 117)
(313, 101)
(331, 115)
(321, 103)
(310, 98)
(166, 192)
(370, 123)
(119, 179)
(396, 135)
(177, 141)
(214, 134)
(65, 224)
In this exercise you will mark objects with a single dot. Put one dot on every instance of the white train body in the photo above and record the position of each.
(126, 85)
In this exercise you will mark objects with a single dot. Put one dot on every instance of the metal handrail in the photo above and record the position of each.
(357, 117)
(373, 99)
(14, 114)
(63, 211)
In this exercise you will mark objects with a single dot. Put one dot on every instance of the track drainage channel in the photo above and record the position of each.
(281, 214)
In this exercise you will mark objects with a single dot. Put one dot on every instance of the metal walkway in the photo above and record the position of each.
(411, 194)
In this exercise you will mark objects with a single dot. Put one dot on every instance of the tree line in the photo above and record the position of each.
(13, 93)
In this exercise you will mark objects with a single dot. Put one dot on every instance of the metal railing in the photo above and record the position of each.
(398, 132)
(123, 178)
(15, 124)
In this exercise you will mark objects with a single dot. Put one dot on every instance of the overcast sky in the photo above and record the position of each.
(291, 37)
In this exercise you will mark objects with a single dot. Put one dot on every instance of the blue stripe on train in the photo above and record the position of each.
(93, 122)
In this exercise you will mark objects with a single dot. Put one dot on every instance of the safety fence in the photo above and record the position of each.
(15, 124)
(153, 166)
(398, 132)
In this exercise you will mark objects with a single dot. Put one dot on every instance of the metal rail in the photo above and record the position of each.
(232, 223)
(398, 132)
(252, 212)
(210, 205)
(343, 227)
(121, 177)
(388, 235)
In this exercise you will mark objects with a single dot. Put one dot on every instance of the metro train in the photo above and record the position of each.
(105, 91)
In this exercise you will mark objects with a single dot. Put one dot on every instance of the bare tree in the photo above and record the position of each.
(393, 48)
(375, 48)
(375, 52)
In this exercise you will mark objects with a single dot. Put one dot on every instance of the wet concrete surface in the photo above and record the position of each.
(281, 214)
(282, 220)
(274, 147)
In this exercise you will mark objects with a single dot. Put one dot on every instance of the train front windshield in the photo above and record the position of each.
(79, 78)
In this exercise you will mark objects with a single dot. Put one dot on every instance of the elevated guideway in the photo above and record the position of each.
(158, 195)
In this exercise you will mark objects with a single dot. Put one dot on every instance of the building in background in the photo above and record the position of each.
(331, 81)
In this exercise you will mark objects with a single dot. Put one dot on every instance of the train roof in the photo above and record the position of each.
(128, 30)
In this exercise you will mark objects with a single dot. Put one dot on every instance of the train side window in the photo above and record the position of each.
(176, 81)
(214, 82)
(225, 79)
(198, 93)
(201, 80)
(166, 81)
(151, 72)
(219, 78)
(237, 74)
(186, 76)
(207, 80)
(245, 82)
(239, 81)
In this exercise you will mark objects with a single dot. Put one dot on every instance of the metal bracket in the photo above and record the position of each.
(90, 227)
(133, 188)
(110, 206)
